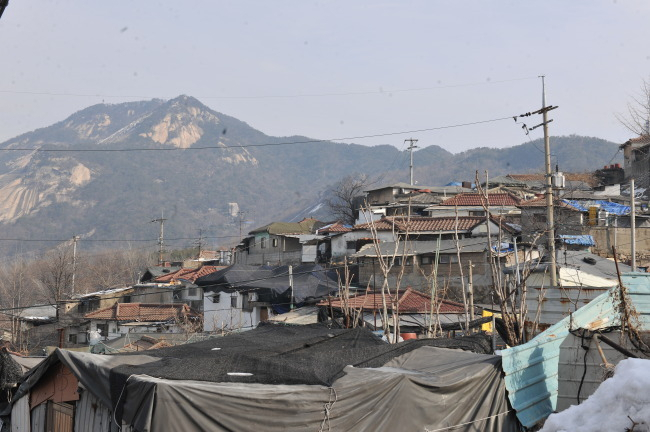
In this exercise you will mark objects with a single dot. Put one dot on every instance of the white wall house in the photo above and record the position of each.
(233, 311)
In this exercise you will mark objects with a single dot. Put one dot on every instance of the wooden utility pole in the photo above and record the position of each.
(632, 225)
(550, 222)
(75, 239)
(470, 292)
(410, 149)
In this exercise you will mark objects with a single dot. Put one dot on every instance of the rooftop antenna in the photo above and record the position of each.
(410, 148)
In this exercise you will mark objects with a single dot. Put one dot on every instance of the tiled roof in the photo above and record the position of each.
(477, 199)
(411, 301)
(145, 312)
(420, 224)
(336, 227)
(188, 274)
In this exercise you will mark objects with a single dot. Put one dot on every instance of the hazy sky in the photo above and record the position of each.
(334, 69)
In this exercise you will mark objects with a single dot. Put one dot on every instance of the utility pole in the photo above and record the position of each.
(410, 149)
(633, 225)
(240, 216)
(75, 239)
(200, 242)
(291, 306)
(161, 237)
(550, 222)
(470, 292)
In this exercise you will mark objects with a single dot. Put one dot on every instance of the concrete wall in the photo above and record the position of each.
(222, 316)
(277, 250)
(339, 243)
(606, 237)
(533, 220)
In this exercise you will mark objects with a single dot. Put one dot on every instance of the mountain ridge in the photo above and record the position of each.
(118, 166)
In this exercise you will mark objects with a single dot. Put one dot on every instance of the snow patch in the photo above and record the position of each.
(617, 403)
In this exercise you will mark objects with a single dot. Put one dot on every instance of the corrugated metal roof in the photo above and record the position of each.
(532, 369)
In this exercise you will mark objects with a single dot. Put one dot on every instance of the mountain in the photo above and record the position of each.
(106, 171)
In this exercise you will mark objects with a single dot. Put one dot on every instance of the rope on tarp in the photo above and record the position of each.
(328, 407)
(467, 423)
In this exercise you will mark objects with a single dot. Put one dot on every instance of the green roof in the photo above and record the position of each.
(305, 226)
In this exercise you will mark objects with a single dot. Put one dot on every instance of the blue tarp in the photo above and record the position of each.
(614, 208)
(575, 204)
(582, 240)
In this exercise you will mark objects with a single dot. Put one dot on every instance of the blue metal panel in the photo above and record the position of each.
(532, 369)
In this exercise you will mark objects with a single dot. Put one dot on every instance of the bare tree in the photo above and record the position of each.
(55, 275)
(637, 117)
(16, 291)
(344, 197)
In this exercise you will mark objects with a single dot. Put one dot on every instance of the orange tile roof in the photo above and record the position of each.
(188, 274)
(336, 227)
(145, 312)
(477, 199)
(420, 224)
(411, 301)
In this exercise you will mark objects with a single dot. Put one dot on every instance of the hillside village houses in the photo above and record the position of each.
(439, 249)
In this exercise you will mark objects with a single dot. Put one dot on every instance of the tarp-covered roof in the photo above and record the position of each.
(294, 378)
(272, 282)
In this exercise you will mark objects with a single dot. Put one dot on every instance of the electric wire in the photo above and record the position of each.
(225, 147)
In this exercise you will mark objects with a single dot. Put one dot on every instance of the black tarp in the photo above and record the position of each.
(310, 281)
(280, 378)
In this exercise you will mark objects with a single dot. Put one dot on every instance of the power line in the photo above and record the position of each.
(285, 96)
(224, 147)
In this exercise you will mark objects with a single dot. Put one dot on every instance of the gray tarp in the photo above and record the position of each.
(425, 389)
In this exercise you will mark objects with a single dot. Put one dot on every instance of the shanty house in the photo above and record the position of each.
(471, 204)
(279, 243)
(568, 217)
(414, 262)
(123, 318)
(275, 378)
(415, 308)
(565, 364)
(239, 297)
(183, 288)
(582, 277)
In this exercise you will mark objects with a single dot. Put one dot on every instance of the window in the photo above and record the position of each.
(245, 302)
(274, 242)
(103, 330)
(426, 259)
(72, 338)
(126, 299)
(263, 242)
(351, 245)
(539, 218)
(192, 291)
(216, 298)
(233, 301)
(476, 213)
(447, 259)
(403, 261)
